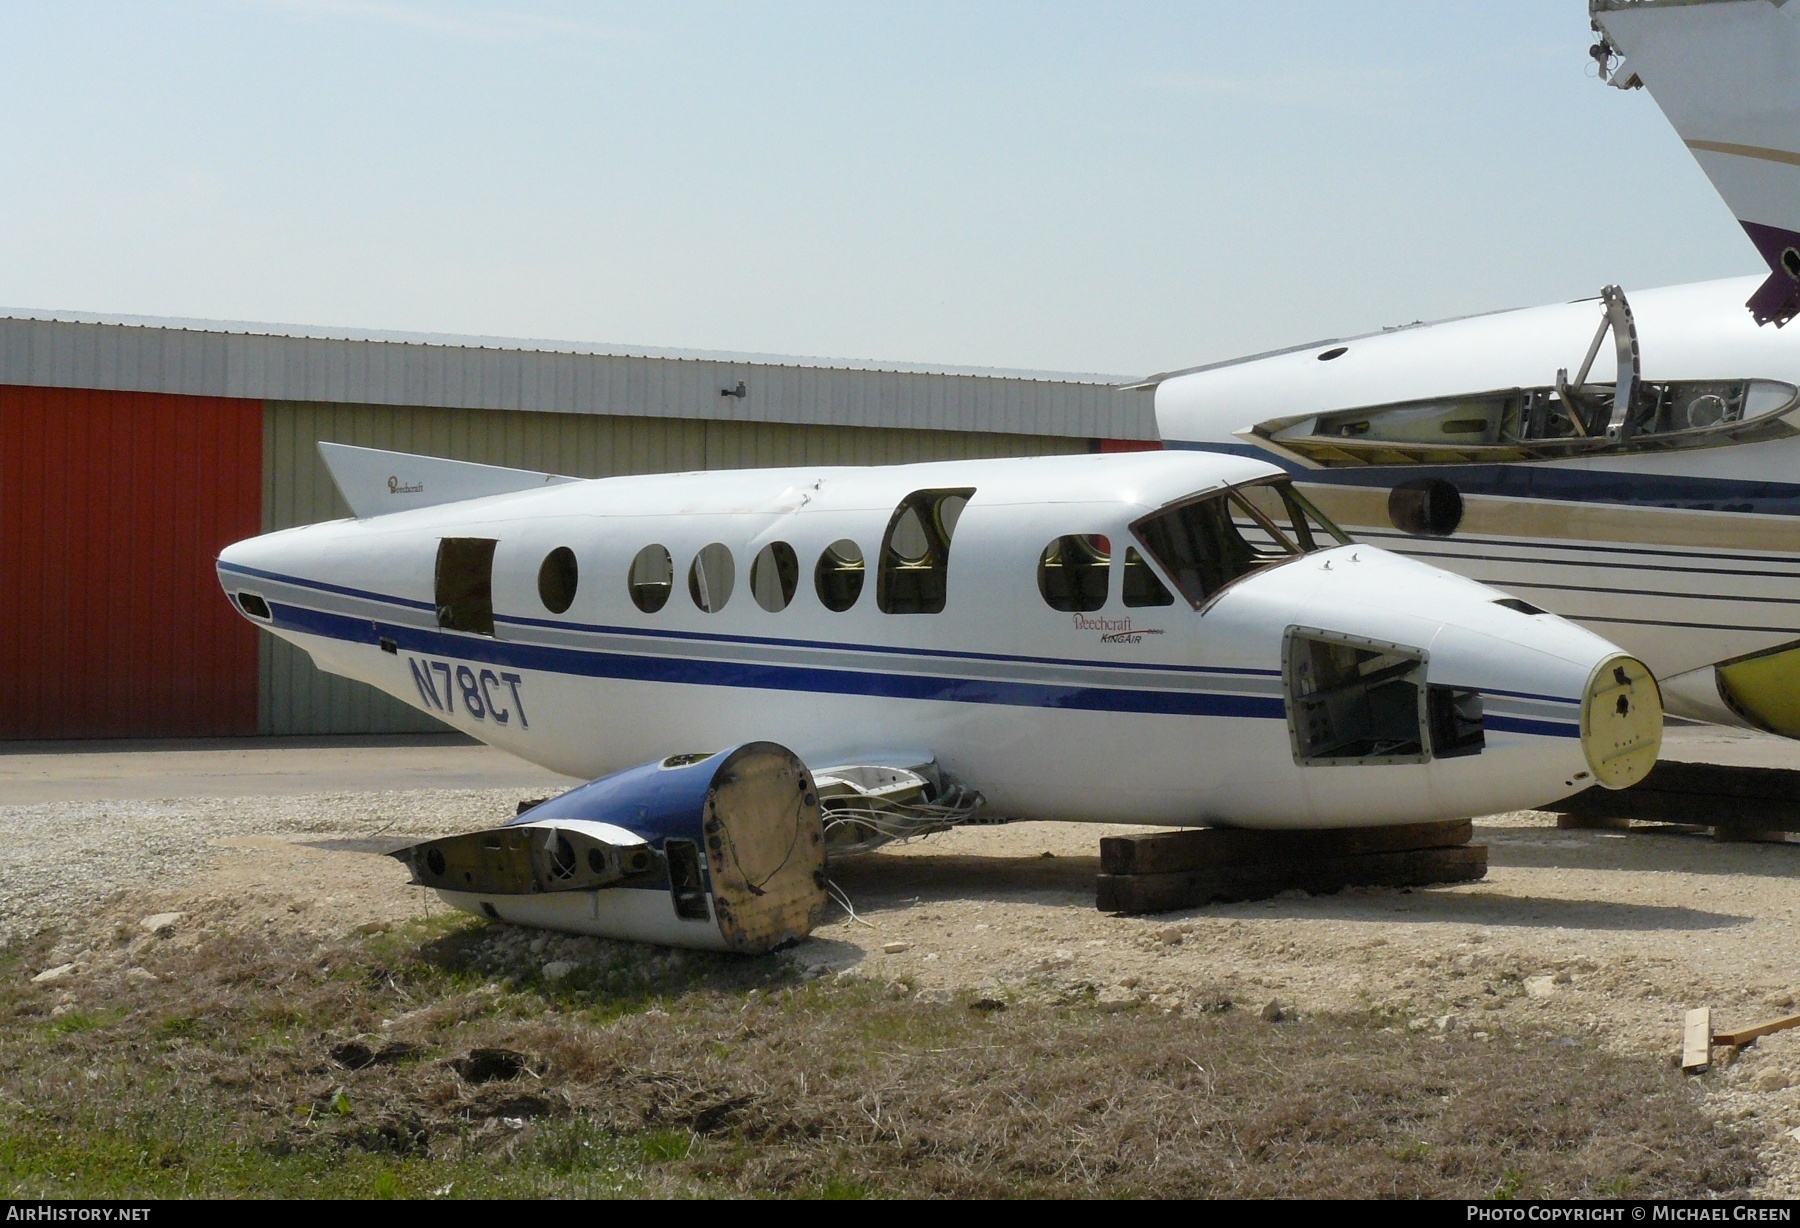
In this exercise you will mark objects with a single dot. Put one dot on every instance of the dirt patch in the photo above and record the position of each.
(1600, 938)
(437, 1054)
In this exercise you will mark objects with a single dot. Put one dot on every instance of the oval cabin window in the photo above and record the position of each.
(1073, 572)
(838, 578)
(711, 576)
(557, 578)
(651, 577)
(774, 576)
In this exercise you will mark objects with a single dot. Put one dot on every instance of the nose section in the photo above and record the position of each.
(1621, 721)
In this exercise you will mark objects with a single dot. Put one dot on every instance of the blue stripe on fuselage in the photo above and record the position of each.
(1538, 480)
(692, 672)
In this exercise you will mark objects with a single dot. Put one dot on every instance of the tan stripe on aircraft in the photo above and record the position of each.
(1761, 152)
(1551, 520)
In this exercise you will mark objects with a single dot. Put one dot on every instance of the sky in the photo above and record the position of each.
(1117, 187)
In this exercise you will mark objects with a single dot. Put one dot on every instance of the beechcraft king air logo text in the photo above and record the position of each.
(482, 693)
(1115, 630)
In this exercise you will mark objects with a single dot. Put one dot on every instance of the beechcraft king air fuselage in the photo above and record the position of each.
(1127, 638)
(1172, 637)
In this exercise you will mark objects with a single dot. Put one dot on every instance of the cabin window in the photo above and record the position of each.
(651, 578)
(687, 888)
(465, 584)
(557, 577)
(915, 552)
(838, 579)
(711, 576)
(1073, 572)
(774, 575)
(1141, 586)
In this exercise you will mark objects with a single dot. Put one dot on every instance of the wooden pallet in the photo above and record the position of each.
(1185, 869)
(1735, 803)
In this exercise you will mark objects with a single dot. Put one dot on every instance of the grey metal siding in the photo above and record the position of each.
(296, 698)
(220, 360)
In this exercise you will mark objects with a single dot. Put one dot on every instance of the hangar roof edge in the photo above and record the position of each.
(314, 332)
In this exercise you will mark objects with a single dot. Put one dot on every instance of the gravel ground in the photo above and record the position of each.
(1603, 935)
(63, 859)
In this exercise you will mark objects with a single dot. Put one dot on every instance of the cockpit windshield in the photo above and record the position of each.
(1207, 543)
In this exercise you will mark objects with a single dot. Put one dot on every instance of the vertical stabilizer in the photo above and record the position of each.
(1726, 73)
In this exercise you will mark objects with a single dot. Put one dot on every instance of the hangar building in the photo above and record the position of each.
(132, 450)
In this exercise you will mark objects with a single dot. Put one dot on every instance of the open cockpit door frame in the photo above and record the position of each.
(1564, 419)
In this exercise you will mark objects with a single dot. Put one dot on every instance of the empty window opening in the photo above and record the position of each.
(1073, 572)
(1290, 512)
(465, 584)
(915, 552)
(254, 606)
(557, 578)
(1141, 586)
(686, 887)
(711, 576)
(774, 575)
(838, 579)
(651, 578)
(1456, 726)
(1352, 700)
(1208, 543)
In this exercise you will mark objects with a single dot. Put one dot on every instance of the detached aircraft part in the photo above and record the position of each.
(720, 852)
(866, 806)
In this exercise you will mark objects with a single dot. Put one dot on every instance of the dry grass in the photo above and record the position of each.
(270, 1064)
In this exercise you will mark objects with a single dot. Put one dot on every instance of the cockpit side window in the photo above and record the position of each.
(1141, 586)
(915, 552)
(1290, 512)
(1073, 572)
(1207, 543)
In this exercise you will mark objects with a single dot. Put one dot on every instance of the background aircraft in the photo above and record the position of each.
(1630, 463)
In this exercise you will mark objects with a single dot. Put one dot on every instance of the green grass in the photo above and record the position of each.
(652, 1075)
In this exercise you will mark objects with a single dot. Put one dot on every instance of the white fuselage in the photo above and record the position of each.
(1166, 714)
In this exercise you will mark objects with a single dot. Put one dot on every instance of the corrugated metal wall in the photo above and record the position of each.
(113, 506)
(203, 358)
(295, 698)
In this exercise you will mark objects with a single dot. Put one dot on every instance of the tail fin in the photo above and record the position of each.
(1726, 73)
(375, 483)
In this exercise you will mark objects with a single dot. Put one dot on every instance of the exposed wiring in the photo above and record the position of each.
(842, 900)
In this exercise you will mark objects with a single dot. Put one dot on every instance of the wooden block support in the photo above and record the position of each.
(1277, 872)
(1731, 833)
(1744, 1036)
(1209, 848)
(1696, 1040)
(1591, 822)
(1698, 794)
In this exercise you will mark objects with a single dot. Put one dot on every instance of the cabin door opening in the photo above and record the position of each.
(465, 584)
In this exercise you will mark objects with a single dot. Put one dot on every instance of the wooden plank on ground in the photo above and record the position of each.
(1201, 848)
(1592, 822)
(1720, 780)
(1696, 1039)
(1744, 1036)
(1733, 833)
(1700, 794)
(1142, 893)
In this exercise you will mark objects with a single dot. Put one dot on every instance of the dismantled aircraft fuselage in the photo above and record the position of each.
(1157, 637)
